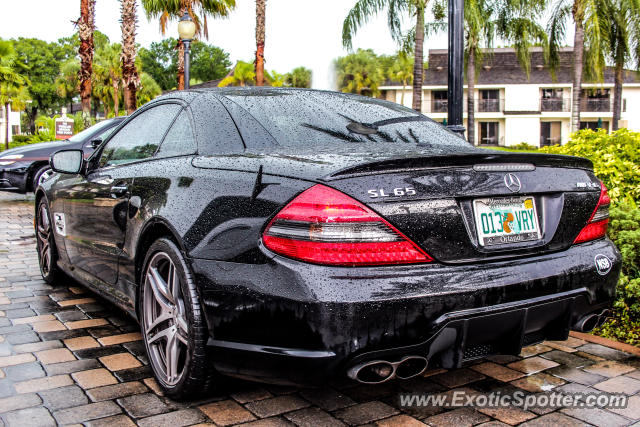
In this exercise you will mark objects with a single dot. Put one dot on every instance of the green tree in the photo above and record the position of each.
(160, 61)
(401, 70)
(198, 10)
(587, 44)
(359, 72)
(396, 10)
(42, 62)
(149, 89)
(275, 79)
(107, 64)
(67, 83)
(622, 44)
(243, 74)
(11, 83)
(299, 77)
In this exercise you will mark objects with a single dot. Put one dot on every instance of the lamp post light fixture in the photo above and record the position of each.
(186, 31)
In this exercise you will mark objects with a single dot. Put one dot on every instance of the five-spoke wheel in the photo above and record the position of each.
(172, 322)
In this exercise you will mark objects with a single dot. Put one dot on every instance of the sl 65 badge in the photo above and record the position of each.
(396, 192)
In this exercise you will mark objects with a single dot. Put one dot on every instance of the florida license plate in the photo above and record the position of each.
(505, 220)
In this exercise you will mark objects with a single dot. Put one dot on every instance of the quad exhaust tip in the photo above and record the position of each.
(380, 371)
(589, 322)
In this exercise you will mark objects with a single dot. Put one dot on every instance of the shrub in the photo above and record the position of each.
(21, 139)
(523, 146)
(615, 157)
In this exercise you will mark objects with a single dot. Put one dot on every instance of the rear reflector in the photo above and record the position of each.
(325, 226)
(596, 228)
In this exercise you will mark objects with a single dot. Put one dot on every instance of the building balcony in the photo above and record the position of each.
(555, 105)
(439, 106)
(595, 105)
(489, 105)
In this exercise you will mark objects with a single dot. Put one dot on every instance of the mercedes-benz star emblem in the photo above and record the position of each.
(512, 182)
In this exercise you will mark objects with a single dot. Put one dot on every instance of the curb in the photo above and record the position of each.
(627, 348)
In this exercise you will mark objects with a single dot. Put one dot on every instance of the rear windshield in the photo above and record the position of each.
(308, 118)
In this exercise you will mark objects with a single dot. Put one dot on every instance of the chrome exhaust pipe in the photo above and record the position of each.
(411, 366)
(373, 372)
(380, 371)
(587, 323)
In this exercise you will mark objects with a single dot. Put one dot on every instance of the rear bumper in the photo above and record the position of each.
(290, 322)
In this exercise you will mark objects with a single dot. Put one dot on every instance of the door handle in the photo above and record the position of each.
(119, 190)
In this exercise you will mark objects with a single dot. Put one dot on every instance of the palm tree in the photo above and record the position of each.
(360, 73)
(149, 89)
(67, 83)
(243, 74)
(12, 87)
(299, 77)
(587, 39)
(365, 9)
(86, 27)
(108, 60)
(129, 71)
(513, 21)
(275, 79)
(166, 10)
(401, 71)
(261, 6)
(622, 45)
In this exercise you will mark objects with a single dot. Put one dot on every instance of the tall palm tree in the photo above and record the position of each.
(67, 83)
(299, 77)
(108, 60)
(243, 74)
(396, 9)
(167, 10)
(86, 26)
(401, 71)
(513, 21)
(587, 43)
(261, 6)
(622, 44)
(130, 77)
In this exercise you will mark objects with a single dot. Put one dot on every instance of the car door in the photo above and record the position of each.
(96, 205)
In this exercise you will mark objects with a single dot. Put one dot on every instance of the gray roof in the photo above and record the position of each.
(502, 67)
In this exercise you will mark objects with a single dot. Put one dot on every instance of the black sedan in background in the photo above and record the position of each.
(288, 236)
(23, 168)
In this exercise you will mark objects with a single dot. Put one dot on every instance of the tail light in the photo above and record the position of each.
(597, 225)
(325, 226)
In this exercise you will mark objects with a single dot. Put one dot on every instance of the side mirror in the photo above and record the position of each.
(95, 143)
(67, 161)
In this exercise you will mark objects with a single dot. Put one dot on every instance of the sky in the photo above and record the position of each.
(298, 32)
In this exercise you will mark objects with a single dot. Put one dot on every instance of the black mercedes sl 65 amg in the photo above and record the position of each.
(289, 236)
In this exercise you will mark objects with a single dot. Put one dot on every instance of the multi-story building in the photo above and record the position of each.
(512, 107)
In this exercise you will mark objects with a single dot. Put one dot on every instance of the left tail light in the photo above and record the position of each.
(325, 226)
(596, 228)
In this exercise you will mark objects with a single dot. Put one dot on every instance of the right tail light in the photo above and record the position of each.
(596, 227)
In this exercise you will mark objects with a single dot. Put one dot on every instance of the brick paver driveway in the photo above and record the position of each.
(68, 357)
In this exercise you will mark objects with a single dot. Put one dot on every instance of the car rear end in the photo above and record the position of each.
(382, 268)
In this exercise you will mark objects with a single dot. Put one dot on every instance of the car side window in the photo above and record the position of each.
(140, 138)
(180, 139)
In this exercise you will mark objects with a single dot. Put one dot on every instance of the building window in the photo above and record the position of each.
(595, 100)
(595, 125)
(550, 133)
(439, 101)
(489, 101)
(552, 100)
(488, 133)
(15, 129)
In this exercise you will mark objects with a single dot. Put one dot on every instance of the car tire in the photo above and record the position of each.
(173, 323)
(45, 244)
(44, 171)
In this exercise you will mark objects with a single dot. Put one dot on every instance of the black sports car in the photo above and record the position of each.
(23, 168)
(287, 236)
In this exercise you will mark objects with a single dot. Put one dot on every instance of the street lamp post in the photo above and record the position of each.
(456, 66)
(186, 31)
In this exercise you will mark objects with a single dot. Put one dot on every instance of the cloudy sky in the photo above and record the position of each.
(299, 32)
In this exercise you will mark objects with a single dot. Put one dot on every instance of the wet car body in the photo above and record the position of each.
(17, 174)
(275, 318)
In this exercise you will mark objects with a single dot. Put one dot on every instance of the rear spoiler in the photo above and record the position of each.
(461, 160)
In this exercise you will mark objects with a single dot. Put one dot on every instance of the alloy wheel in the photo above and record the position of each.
(45, 175)
(164, 319)
(43, 234)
